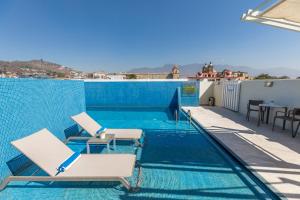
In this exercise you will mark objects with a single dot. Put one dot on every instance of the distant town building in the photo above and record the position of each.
(174, 74)
(208, 72)
(115, 76)
(99, 75)
(8, 75)
(148, 75)
(235, 75)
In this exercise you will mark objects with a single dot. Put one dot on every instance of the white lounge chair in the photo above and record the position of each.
(92, 127)
(48, 152)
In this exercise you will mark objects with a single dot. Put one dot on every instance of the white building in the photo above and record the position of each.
(116, 76)
(99, 75)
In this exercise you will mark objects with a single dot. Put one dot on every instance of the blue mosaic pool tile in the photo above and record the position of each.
(137, 94)
(28, 105)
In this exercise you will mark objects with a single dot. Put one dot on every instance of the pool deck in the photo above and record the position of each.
(273, 156)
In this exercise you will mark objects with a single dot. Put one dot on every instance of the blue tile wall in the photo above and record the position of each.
(136, 94)
(28, 105)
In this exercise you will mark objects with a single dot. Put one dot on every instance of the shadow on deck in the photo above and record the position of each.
(274, 156)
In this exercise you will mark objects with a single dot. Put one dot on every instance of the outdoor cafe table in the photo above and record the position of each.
(268, 107)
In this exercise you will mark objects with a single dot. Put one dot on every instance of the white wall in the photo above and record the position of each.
(206, 90)
(283, 92)
(210, 89)
(218, 90)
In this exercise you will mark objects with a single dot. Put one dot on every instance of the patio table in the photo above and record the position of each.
(268, 107)
(101, 141)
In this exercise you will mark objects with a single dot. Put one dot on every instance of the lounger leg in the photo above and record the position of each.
(115, 146)
(107, 146)
(138, 143)
(125, 183)
(87, 148)
(4, 183)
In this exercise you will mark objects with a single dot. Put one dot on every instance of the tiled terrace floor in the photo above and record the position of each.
(274, 156)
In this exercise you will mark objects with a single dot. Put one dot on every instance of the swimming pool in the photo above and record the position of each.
(179, 161)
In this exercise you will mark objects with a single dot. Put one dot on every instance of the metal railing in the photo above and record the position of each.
(176, 116)
(190, 116)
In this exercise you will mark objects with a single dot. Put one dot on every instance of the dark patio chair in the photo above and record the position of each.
(292, 116)
(253, 107)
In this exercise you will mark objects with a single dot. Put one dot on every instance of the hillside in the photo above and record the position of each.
(34, 67)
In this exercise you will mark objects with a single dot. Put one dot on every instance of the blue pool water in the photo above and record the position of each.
(179, 161)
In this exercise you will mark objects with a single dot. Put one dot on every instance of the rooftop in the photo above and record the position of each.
(273, 156)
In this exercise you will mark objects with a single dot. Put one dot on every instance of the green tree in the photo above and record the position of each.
(264, 76)
(60, 74)
(267, 76)
(283, 77)
(131, 76)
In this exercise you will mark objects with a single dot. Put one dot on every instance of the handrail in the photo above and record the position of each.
(178, 98)
(190, 116)
(176, 116)
(177, 111)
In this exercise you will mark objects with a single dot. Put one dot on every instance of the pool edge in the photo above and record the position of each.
(232, 154)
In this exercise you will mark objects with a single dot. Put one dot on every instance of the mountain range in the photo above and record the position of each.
(185, 70)
(192, 69)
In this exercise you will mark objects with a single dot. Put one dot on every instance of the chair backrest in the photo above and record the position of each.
(255, 102)
(296, 111)
(44, 149)
(87, 123)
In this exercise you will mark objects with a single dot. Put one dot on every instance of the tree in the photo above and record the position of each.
(264, 76)
(131, 76)
(267, 76)
(283, 77)
(60, 75)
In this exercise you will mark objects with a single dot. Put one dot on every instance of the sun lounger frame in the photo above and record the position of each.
(78, 137)
(122, 180)
(45, 136)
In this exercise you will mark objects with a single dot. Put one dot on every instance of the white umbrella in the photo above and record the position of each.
(281, 13)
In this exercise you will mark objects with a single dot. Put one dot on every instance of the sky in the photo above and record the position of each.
(118, 35)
